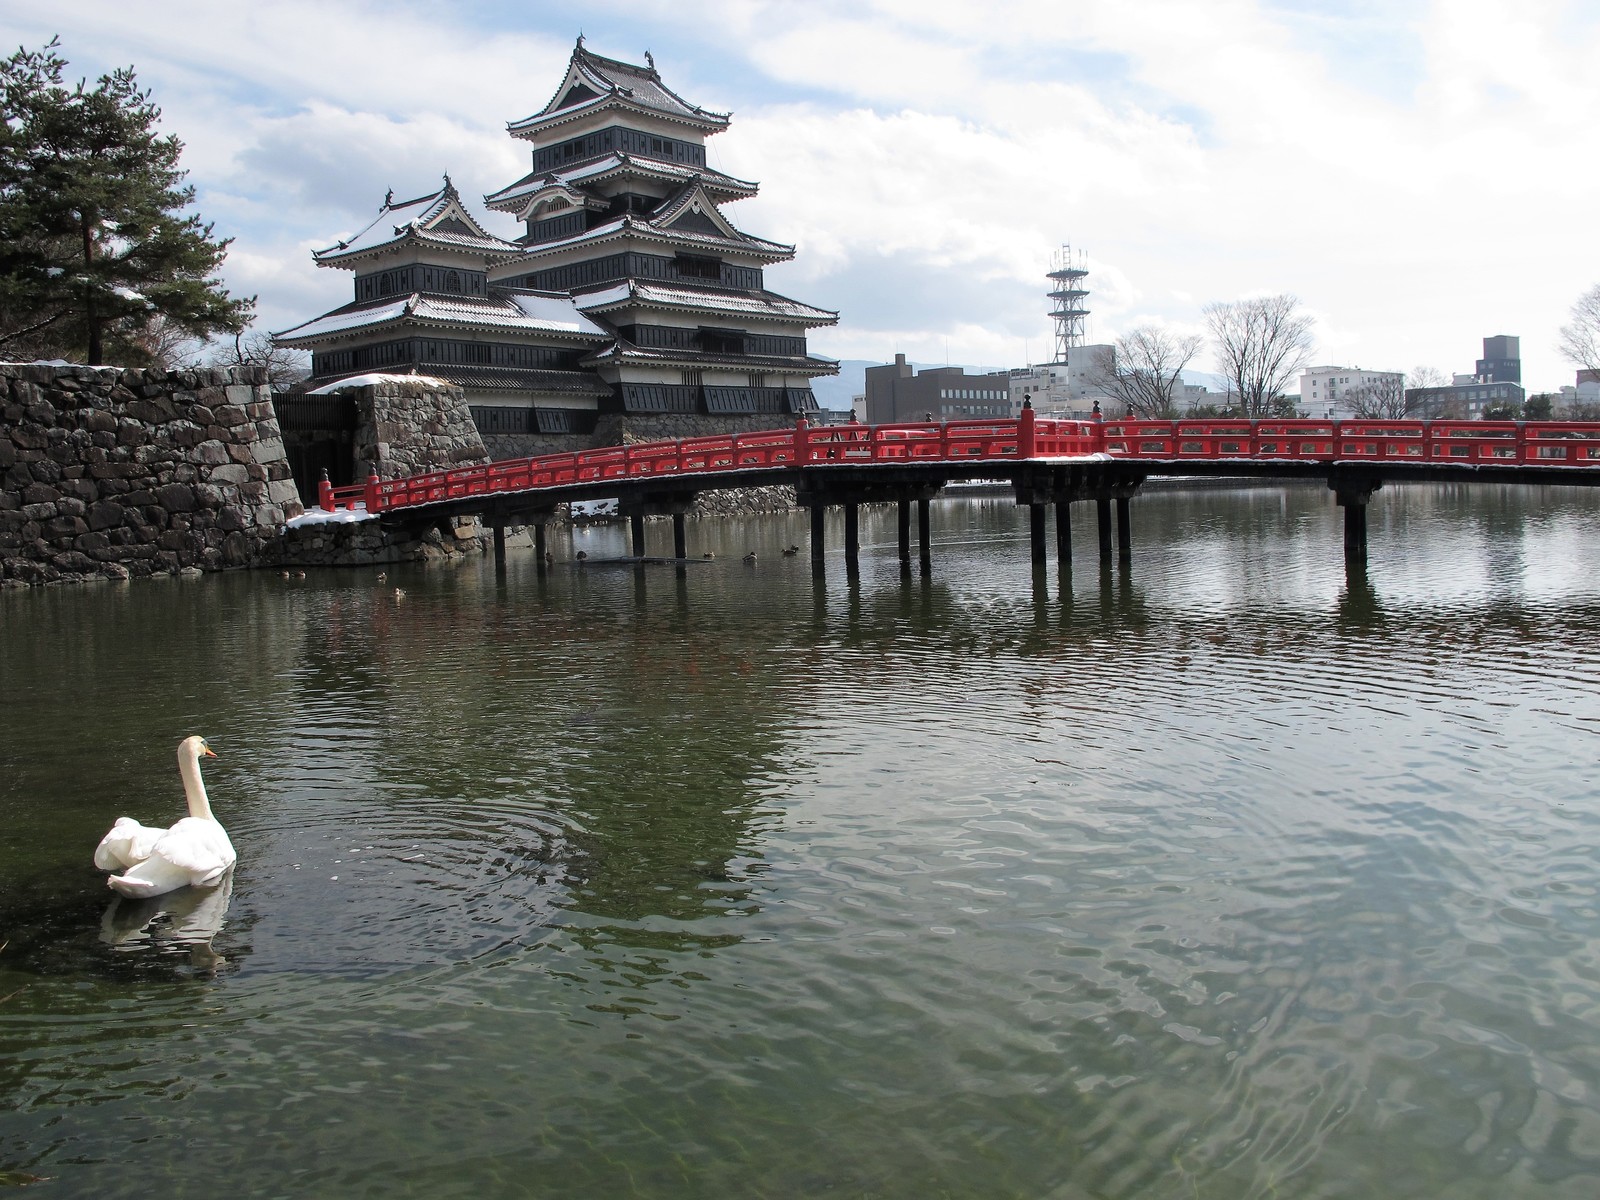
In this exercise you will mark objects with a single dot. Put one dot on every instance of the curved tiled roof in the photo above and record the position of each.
(507, 310)
(439, 219)
(513, 196)
(593, 82)
(651, 294)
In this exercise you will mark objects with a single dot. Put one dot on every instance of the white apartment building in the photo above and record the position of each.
(1324, 391)
(1062, 388)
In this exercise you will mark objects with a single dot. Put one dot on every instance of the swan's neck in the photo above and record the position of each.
(194, 788)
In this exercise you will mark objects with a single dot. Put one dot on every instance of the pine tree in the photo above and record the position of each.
(94, 244)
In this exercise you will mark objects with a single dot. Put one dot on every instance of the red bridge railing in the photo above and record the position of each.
(1443, 443)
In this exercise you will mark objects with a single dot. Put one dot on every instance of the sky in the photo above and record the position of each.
(1420, 175)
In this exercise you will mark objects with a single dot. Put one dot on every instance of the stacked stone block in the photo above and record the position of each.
(108, 473)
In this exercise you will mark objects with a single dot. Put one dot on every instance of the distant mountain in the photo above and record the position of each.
(835, 391)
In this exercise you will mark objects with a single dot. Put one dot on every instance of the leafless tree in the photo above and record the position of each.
(1144, 368)
(1260, 344)
(1580, 340)
(285, 367)
(1420, 379)
(1381, 399)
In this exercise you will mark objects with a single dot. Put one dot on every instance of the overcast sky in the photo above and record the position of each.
(1419, 174)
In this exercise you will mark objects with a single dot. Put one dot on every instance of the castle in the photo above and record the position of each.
(630, 306)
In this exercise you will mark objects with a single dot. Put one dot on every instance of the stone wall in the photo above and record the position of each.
(111, 473)
(409, 426)
(404, 426)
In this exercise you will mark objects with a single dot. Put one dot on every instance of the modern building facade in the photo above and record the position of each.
(1495, 384)
(629, 292)
(898, 392)
(1329, 392)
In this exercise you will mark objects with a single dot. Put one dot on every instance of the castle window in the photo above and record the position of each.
(452, 282)
(695, 266)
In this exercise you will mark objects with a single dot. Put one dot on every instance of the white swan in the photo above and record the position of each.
(195, 852)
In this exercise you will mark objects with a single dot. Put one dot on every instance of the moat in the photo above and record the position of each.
(1220, 873)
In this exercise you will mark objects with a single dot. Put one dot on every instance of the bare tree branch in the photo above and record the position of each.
(1381, 399)
(1260, 344)
(1580, 340)
(1144, 368)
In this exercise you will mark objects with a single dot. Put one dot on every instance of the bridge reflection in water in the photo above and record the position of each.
(1046, 462)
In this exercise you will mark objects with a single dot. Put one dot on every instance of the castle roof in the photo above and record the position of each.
(687, 220)
(520, 196)
(505, 310)
(677, 297)
(438, 220)
(594, 83)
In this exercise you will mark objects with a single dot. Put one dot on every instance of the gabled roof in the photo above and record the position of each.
(517, 197)
(688, 220)
(594, 83)
(675, 297)
(438, 220)
(505, 310)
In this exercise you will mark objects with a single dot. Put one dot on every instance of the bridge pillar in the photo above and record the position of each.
(1124, 530)
(539, 548)
(852, 537)
(1036, 545)
(680, 541)
(1102, 512)
(903, 516)
(924, 537)
(818, 525)
(637, 521)
(1064, 533)
(1352, 492)
(500, 541)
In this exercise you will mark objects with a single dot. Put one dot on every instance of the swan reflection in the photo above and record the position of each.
(187, 919)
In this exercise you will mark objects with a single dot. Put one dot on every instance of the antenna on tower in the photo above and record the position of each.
(1067, 296)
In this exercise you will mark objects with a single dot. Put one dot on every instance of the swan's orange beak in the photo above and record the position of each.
(209, 752)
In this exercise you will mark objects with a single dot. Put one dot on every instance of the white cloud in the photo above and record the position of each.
(1414, 170)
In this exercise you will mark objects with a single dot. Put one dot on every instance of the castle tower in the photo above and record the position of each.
(622, 213)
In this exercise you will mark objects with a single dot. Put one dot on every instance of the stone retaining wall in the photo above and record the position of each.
(107, 473)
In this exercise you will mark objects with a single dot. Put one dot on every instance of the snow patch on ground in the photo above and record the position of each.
(321, 516)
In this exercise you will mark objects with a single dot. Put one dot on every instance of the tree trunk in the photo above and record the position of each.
(90, 321)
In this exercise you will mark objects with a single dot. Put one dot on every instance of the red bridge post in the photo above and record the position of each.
(802, 440)
(1025, 432)
(374, 495)
(325, 493)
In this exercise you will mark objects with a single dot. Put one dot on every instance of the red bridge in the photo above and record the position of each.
(1046, 461)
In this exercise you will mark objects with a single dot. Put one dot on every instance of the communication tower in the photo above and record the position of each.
(1067, 294)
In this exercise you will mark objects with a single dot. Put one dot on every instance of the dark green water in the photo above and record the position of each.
(1219, 877)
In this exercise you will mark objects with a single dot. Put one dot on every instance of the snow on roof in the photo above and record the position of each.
(554, 312)
(530, 312)
(538, 180)
(428, 217)
(756, 304)
(647, 228)
(356, 381)
(599, 81)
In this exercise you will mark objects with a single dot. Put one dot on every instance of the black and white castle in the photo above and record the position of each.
(629, 302)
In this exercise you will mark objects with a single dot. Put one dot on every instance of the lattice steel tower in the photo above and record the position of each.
(1068, 296)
